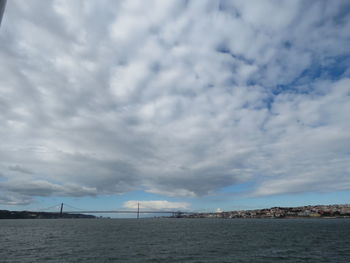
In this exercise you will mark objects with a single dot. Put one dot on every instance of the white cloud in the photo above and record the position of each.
(179, 98)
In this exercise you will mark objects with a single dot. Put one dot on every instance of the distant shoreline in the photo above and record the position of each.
(316, 211)
(6, 214)
(339, 211)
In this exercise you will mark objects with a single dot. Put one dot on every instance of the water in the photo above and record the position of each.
(175, 240)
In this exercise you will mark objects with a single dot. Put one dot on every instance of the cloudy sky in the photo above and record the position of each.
(178, 104)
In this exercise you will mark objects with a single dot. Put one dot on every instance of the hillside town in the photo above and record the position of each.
(317, 211)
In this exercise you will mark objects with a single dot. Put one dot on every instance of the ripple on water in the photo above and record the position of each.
(174, 240)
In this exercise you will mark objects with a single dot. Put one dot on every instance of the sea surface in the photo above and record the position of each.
(174, 240)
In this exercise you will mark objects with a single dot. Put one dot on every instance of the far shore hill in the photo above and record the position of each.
(310, 211)
(6, 214)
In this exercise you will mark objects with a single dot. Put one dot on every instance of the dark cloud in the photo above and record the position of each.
(18, 168)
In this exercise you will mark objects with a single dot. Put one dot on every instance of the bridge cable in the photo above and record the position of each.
(50, 207)
(70, 206)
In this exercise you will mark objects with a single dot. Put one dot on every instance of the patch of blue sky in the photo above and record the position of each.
(332, 68)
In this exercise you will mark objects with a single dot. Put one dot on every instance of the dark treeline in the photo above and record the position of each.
(5, 214)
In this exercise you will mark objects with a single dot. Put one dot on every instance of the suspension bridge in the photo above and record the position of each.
(74, 210)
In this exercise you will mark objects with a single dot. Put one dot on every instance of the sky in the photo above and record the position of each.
(192, 105)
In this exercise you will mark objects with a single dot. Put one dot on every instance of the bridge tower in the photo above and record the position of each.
(61, 210)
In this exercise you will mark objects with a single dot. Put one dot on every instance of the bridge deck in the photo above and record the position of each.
(126, 212)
